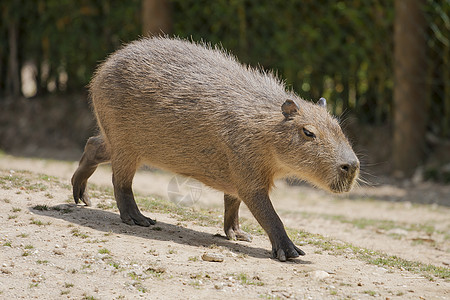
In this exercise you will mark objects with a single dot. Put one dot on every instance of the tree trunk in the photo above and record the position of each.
(156, 17)
(409, 90)
(13, 75)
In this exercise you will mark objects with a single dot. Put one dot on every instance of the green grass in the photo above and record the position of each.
(114, 264)
(104, 251)
(41, 207)
(86, 297)
(18, 181)
(76, 232)
(269, 296)
(135, 276)
(48, 178)
(372, 257)
(245, 280)
(155, 271)
(363, 223)
(96, 241)
(370, 293)
(39, 222)
(63, 210)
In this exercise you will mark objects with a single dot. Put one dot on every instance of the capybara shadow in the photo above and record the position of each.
(107, 222)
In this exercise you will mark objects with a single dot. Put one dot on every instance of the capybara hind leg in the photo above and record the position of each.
(231, 220)
(95, 153)
(123, 173)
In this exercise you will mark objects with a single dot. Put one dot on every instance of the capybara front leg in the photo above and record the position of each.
(231, 220)
(95, 153)
(123, 173)
(261, 207)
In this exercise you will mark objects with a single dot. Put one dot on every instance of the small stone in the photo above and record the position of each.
(319, 275)
(212, 257)
(58, 252)
(232, 254)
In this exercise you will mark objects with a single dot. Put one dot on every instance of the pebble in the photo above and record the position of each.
(319, 275)
(212, 257)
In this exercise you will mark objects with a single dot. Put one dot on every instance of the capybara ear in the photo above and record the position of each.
(289, 108)
(322, 102)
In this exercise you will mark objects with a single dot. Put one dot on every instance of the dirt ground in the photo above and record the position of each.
(388, 242)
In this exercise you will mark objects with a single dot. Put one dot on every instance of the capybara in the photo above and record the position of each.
(193, 109)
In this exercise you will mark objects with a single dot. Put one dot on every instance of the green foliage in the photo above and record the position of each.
(337, 49)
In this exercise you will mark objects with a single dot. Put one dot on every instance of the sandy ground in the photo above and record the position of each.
(386, 241)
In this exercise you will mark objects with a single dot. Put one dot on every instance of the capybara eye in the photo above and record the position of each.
(308, 133)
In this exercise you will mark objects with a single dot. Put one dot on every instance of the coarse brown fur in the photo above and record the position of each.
(194, 110)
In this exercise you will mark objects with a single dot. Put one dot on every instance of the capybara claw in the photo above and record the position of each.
(238, 235)
(299, 251)
(81, 194)
(137, 219)
(86, 199)
(285, 253)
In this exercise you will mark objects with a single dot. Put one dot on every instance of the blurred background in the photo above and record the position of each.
(383, 66)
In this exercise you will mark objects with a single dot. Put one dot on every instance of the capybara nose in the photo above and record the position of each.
(350, 167)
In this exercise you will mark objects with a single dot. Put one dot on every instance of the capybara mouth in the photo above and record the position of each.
(343, 185)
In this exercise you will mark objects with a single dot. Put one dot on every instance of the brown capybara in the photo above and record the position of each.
(195, 110)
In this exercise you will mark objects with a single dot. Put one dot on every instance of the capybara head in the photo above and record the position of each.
(312, 146)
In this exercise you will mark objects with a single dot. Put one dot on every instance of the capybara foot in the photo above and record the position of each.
(136, 218)
(238, 234)
(285, 250)
(80, 192)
